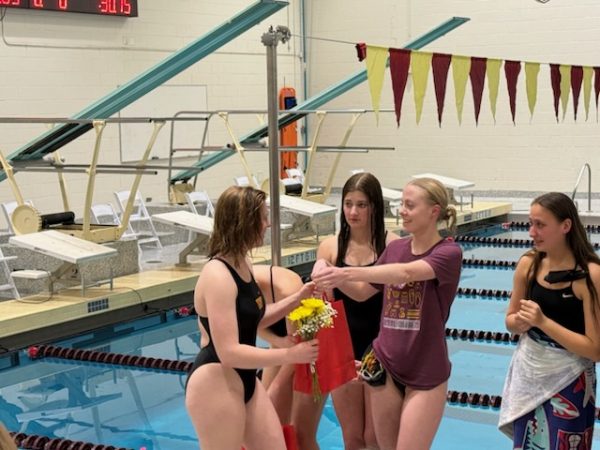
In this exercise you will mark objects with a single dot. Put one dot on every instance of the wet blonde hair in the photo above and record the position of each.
(438, 195)
(238, 223)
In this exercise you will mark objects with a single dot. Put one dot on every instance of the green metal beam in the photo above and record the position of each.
(316, 101)
(149, 80)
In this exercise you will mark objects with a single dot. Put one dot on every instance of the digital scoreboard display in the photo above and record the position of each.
(122, 8)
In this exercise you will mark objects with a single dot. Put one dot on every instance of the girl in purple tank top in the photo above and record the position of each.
(361, 240)
(408, 367)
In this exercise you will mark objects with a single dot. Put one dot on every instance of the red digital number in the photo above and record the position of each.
(10, 2)
(63, 4)
(38, 3)
(108, 6)
(125, 7)
(115, 7)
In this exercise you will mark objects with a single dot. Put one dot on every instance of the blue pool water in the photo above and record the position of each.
(143, 408)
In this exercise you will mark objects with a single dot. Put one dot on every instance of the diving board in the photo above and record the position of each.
(314, 102)
(147, 81)
(202, 226)
(69, 249)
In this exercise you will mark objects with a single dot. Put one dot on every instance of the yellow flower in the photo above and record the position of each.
(301, 312)
(314, 303)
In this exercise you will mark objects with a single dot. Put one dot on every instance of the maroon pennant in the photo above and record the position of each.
(555, 81)
(361, 51)
(511, 70)
(440, 64)
(596, 86)
(477, 75)
(399, 65)
(576, 80)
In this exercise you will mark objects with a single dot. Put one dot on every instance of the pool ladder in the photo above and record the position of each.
(589, 173)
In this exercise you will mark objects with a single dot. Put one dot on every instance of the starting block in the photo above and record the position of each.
(451, 184)
(309, 217)
(201, 226)
(71, 250)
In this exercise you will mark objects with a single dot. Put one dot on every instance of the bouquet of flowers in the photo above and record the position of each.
(312, 315)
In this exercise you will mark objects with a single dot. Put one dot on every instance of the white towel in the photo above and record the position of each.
(536, 373)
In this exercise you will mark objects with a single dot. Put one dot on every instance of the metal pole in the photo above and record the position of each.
(270, 40)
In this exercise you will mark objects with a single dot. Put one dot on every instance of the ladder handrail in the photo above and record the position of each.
(589, 171)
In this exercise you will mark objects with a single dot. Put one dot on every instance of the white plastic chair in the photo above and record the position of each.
(200, 198)
(243, 181)
(104, 213)
(139, 215)
(298, 174)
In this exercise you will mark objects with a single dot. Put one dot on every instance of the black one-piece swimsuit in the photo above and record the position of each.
(250, 309)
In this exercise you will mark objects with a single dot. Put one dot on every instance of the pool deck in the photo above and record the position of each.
(44, 318)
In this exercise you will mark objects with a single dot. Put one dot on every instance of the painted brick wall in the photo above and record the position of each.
(536, 155)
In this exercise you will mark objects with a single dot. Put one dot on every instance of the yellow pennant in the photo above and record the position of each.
(461, 66)
(531, 82)
(376, 59)
(493, 78)
(587, 88)
(565, 87)
(420, 62)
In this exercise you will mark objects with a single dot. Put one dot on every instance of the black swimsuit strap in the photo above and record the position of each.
(233, 271)
(272, 285)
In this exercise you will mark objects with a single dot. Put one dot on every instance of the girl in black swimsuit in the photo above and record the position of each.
(277, 283)
(228, 408)
(362, 238)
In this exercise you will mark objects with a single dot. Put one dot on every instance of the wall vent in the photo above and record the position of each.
(97, 305)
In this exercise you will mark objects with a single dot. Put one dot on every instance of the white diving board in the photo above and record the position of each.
(202, 226)
(72, 250)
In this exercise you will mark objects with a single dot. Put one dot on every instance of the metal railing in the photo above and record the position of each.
(589, 173)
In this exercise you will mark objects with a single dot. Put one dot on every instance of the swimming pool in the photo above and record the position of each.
(135, 408)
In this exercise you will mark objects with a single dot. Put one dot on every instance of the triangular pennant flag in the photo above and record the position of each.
(576, 80)
(493, 79)
(512, 70)
(565, 87)
(376, 59)
(399, 65)
(587, 89)
(531, 82)
(420, 63)
(477, 75)
(461, 66)
(440, 64)
(555, 82)
(596, 87)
